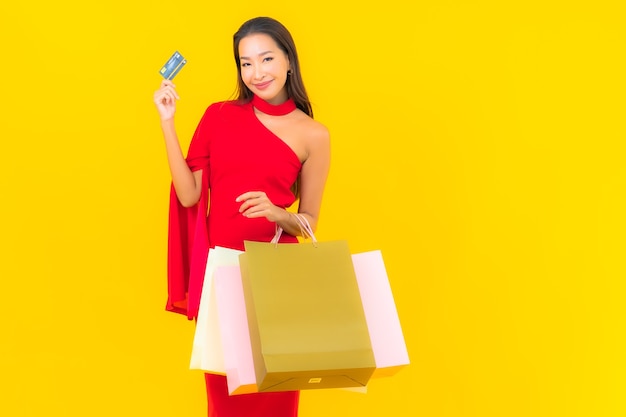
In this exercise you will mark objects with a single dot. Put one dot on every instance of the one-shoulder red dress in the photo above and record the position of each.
(237, 153)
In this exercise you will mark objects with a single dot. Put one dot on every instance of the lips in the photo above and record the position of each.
(263, 86)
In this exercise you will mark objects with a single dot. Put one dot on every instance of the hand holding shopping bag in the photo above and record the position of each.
(225, 345)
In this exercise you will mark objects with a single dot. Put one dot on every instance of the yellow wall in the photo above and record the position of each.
(478, 144)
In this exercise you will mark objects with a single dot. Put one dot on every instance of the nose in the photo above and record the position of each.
(258, 73)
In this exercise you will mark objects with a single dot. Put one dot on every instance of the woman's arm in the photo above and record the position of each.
(312, 181)
(187, 184)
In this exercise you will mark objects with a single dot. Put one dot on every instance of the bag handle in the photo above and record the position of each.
(303, 224)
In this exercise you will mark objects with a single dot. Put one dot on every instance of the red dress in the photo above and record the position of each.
(237, 153)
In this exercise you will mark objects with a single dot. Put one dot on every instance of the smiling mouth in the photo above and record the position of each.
(263, 85)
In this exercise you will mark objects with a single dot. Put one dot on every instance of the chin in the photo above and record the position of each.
(270, 96)
(266, 95)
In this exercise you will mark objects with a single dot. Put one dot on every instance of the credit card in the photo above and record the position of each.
(172, 66)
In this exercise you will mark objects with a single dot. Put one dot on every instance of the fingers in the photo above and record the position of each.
(250, 195)
(168, 84)
(167, 93)
(250, 201)
(165, 100)
(165, 97)
(255, 203)
(170, 93)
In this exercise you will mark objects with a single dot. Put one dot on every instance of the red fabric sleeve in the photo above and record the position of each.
(188, 247)
(188, 241)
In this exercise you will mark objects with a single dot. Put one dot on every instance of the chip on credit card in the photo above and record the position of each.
(172, 66)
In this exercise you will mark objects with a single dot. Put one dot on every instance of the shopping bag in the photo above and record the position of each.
(307, 324)
(207, 354)
(235, 336)
(382, 318)
(388, 345)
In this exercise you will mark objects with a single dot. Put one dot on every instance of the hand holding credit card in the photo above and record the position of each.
(173, 66)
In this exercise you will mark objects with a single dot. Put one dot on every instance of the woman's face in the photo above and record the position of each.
(264, 67)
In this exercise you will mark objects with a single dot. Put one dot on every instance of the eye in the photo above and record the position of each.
(268, 58)
(245, 64)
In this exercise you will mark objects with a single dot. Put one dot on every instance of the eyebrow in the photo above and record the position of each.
(261, 54)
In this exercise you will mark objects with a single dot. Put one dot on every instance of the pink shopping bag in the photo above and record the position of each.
(383, 323)
(235, 336)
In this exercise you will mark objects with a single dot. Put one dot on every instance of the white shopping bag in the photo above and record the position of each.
(207, 354)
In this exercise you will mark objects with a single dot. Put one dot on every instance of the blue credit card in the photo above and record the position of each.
(172, 66)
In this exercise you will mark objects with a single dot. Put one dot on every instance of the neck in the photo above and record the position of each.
(273, 109)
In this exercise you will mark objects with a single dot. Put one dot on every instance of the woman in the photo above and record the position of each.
(248, 161)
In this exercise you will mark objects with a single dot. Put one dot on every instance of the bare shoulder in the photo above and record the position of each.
(313, 132)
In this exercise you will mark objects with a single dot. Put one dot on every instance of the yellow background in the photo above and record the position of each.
(477, 144)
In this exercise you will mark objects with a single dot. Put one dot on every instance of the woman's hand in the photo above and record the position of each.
(256, 204)
(165, 100)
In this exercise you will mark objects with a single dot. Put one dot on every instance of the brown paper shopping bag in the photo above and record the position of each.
(307, 325)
